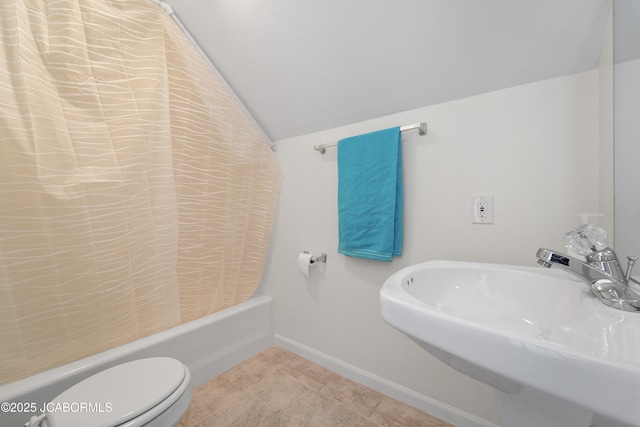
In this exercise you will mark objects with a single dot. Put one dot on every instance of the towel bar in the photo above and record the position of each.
(422, 129)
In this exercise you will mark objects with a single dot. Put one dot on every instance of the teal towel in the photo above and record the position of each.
(370, 195)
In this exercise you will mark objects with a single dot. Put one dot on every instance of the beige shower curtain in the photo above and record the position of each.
(135, 194)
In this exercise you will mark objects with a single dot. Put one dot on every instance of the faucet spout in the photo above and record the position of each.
(582, 269)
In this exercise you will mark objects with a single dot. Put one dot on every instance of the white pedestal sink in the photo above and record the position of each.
(555, 355)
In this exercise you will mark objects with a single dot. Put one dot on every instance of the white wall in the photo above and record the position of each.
(534, 147)
(605, 95)
(627, 153)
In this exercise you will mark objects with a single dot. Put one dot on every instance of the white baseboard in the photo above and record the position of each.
(395, 391)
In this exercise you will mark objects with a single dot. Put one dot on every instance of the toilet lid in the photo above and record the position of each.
(117, 394)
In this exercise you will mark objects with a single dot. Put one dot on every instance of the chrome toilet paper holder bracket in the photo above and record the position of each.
(314, 259)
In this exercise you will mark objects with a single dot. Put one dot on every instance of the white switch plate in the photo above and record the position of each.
(482, 209)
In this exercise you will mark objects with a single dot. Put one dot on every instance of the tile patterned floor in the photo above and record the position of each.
(377, 407)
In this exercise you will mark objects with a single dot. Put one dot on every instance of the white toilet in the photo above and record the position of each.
(146, 392)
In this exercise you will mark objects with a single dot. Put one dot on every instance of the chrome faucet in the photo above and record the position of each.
(599, 265)
(603, 274)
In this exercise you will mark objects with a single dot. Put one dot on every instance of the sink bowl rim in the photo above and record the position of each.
(572, 363)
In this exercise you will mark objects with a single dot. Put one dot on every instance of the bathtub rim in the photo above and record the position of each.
(208, 346)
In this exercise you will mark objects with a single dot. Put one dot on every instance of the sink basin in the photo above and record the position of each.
(479, 293)
(553, 353)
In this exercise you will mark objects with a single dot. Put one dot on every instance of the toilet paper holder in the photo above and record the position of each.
(314, 259)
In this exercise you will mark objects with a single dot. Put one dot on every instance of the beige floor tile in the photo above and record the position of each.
(278, 355)
(312, 370)
(350, 402)
(385, 420)
(250, 372)
(406, 415)
(230, 385)
(206, 397)
(354, 392)
(214, 393)
(302, 377)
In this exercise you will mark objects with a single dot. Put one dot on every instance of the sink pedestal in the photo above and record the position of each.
(528, 408)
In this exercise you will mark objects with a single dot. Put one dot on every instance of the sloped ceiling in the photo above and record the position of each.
(301, 66)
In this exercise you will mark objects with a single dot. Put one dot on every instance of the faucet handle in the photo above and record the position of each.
(606, 260)
(603, 255)
(631, 260)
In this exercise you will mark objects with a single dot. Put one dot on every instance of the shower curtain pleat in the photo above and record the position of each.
(135, 194)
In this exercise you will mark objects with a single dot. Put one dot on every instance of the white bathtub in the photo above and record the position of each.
(208, 346)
